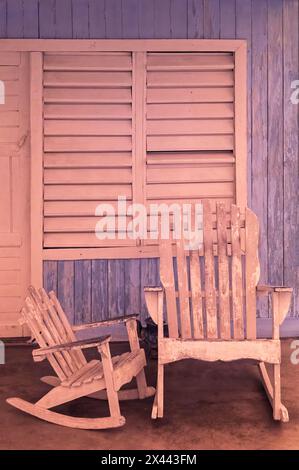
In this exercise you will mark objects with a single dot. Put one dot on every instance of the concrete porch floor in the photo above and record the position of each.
(207, 406)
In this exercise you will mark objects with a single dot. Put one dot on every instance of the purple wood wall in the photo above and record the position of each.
(91, 289)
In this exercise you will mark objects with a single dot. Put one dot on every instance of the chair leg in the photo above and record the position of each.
(280, 412)
(143, 390)
(276, 392)
(141, 385)
(112, 396)
(158, 406)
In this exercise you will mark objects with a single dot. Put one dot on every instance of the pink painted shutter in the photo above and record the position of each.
(190, 127)
(87, 143)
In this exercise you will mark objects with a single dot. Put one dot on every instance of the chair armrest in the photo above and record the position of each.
(265, 289)
(81, 344)
(152, 295)
(281, 300)
(112, 321)
(153, 289)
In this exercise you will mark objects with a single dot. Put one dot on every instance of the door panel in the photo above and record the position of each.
(14, 191)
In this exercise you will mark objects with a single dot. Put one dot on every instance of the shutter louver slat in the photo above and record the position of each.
(88, 160)
(88, 127)
(189, 174)
(87, 111)
(194, 61)
(71, 210)
(90, 176)
(96, 193)
(190, 126)
(88, 79)
(95, 62)
(89, 95)
(190, 79)
(89, 144)
(193, 95)
(194, 142)
(190, 110)
(82, 240)
(191, 190)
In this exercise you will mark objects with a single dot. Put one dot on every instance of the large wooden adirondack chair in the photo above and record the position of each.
(75, 376)
(211, 308)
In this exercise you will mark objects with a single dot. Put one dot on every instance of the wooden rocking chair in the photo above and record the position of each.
(216, 288)
(75, 376)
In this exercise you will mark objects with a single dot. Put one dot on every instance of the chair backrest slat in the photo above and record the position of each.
(223, 274)
(210, 288)
(167, 279)
(237, 285)
(252, 270)
(183, 289)
(196, 295)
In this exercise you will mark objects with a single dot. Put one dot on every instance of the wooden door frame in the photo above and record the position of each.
(36, 173)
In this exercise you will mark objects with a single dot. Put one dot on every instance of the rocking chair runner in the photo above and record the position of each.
(215, 318)
(75, 376)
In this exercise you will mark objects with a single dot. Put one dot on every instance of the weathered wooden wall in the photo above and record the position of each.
(94, 290)
(91, 289)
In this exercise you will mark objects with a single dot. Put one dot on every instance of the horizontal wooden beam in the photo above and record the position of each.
(101, 253)
(137, 45)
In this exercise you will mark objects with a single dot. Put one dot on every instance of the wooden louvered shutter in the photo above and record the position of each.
(190, 127)
(87, 143)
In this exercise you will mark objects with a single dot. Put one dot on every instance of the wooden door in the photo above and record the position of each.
(14, 190)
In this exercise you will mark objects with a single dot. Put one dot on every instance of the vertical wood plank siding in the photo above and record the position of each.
(92, 290)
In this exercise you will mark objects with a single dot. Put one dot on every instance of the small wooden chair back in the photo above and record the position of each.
(211, 290)
(50, 327)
